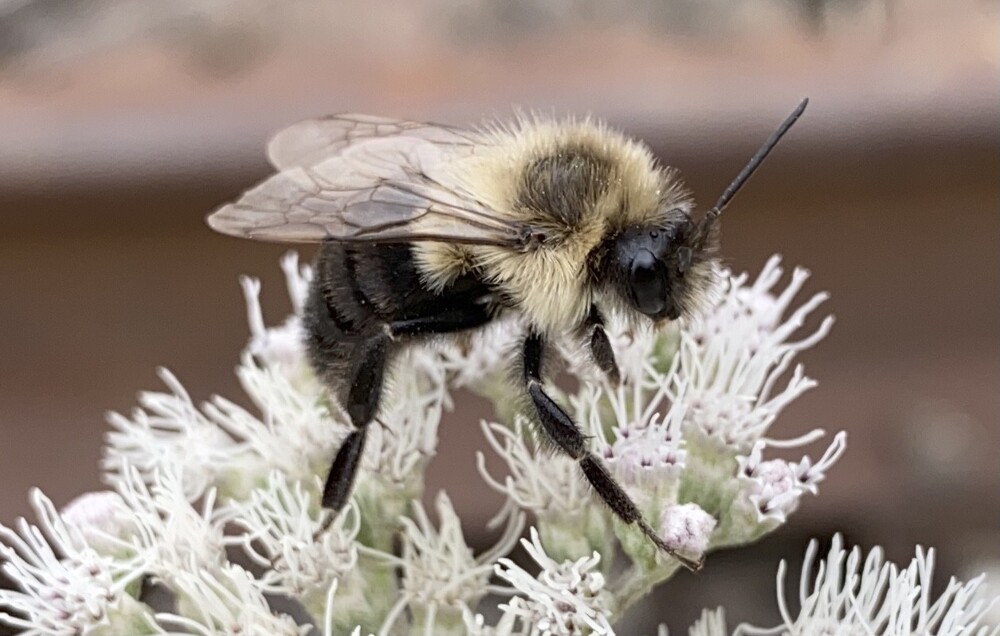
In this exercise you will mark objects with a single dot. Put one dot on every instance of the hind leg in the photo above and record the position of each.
(363, 396)
(364, 393)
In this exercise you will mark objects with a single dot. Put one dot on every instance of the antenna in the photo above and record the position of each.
(753, 164)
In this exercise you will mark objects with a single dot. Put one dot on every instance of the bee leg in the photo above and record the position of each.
(363, 396)
(600, 347)
(449, 320)
(365, 391)
(561, 429)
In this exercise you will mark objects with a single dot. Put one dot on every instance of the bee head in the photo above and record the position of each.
(660, 270)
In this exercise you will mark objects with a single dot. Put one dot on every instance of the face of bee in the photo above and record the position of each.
(657, 268)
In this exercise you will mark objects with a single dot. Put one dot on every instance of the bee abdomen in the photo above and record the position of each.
(360, 290)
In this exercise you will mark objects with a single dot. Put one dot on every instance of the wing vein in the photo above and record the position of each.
(361, 178)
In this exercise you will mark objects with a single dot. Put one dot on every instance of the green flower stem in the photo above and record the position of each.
(364, 597)
(443, 621)
(636, 583)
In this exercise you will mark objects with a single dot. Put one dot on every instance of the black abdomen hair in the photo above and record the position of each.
(361, 290)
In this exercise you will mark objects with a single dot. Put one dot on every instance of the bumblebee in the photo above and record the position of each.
(429, 230)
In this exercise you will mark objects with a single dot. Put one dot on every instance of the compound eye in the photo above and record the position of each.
(648, 279)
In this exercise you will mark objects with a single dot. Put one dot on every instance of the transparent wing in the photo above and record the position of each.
(311, 141)
(388, 188)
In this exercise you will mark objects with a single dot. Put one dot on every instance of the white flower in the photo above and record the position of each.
(169, 430)
(297, 279)
(295, 433)
(711, 623)
(98, 515)
(641, 350)
(990, 592)
(546, 484)
(283, 345)
(647, 453)
(851, 595)
(564, 598)
(550, 486)
(64, 585)
(286, 533)
(646, 456)
(773, 488)
(687, 529)
(770, 488)
(684, 432)
(225, 602)
(222, 444)
(733, 359)
(808, 475)
(170, 535)
(442, 579)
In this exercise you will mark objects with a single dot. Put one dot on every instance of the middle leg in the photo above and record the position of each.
(561, 429)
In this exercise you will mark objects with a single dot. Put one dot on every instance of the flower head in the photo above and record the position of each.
(226, 602)
(685, 432)
(442, 580)
(286, 533)
(733, 360)
(646, 451)
(169, 430)
(850, 594)
(171, 536)
(280, 346)
(540, 482)
(297, 431)
(66, 586)
(472, 360)
(775, 486)
(406, 439)
(275, 347)
(564, 598)
(547, 485)
(97, 516)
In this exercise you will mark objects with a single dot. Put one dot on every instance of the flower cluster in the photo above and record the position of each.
(848, 594)
(220, 504)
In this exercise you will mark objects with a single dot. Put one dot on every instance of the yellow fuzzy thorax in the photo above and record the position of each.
(550, 284)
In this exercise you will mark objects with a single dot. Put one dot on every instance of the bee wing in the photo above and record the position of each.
(311, 141)
(389, 188)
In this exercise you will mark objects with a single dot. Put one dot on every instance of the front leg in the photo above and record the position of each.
(600, 347)
(561, 429)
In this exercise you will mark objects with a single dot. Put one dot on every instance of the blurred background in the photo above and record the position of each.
(123, 122)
